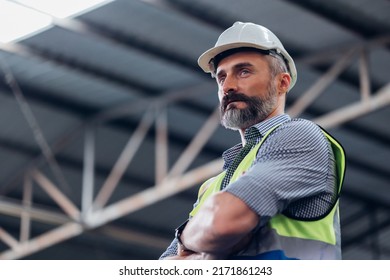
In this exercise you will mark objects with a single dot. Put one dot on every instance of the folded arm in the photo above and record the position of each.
(220, 227)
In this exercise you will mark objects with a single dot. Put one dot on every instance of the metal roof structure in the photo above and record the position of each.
(108, 126)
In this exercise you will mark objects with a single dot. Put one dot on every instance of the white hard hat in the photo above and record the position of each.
(247, 35)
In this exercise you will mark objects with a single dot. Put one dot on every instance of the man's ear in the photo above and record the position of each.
(284, 82)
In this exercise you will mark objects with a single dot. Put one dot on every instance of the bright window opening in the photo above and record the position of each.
(22, 18)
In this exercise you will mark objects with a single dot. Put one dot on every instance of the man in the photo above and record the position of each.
(277, 197)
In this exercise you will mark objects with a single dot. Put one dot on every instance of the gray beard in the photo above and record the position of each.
(257, 110)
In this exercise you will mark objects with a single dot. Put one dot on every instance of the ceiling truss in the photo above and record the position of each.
(95, 212)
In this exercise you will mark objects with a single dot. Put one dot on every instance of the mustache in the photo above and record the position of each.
(233, 97)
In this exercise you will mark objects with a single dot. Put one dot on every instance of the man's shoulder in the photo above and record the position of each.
(299, 128)
(301, 124)
(296, 138)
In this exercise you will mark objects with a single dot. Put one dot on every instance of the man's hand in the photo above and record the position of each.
(185, 254)
(194, 256)
(183, 251)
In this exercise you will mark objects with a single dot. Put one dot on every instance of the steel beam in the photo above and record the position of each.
(161, 144)
(88, 169)
(112, 212)
(331, 54)
(322, 83)
(154, 194)
(150, 196)
(140, 105)
(27, 201)
(33, 124)
(53, 217)
(193, 149)
(177, 181)
(16, 209)
(364, 74)
(43, 241)
(379, 100)
(65, 203)
(8, 239)
(124, 160)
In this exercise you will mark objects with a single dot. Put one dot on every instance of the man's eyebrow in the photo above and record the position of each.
(243, 64)
(236, 66)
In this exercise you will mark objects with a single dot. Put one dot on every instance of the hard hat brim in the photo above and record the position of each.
(206, 57)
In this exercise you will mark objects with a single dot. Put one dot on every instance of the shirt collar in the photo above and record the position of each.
(266, 125)
(229, 155)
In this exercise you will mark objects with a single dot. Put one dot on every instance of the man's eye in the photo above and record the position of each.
(244, 72)
(221, 80)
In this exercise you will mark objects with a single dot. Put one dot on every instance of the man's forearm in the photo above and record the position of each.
(223, 222)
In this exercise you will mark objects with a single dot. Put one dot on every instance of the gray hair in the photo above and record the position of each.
(276, 65)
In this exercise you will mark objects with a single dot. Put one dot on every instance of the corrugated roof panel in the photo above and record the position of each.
(70, 84)
(11, 163)
(366, 184)
(286, 20)
(15, 127)
(122, 61)
(379, 65)
(151, 48)
(377, 11)
(376, 121)
(167, 30)
(363, 149)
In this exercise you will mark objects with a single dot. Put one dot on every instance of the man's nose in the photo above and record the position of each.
(229, 85)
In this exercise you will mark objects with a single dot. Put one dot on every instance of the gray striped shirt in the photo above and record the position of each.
(294, 163)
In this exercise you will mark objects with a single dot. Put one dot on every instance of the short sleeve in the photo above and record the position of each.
(294, 162)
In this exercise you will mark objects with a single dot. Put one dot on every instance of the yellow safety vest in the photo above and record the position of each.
(291, 236)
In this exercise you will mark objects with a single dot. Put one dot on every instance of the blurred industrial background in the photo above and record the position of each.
(108, 126)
